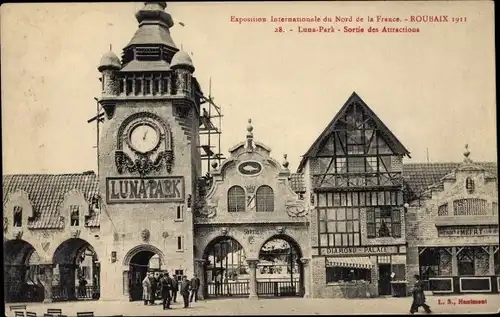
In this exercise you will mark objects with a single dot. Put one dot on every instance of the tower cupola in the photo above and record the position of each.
(152, 41)
(182, 60)
(109, 61)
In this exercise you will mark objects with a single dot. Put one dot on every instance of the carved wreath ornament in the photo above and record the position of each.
(296, 209)
(143, 164)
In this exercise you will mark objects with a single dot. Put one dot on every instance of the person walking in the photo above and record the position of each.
(154, 287)
(419, 297)
(146, 289)
(185, 288)
(165, 288)
(195, 286)
(218, 284)
(175, 289)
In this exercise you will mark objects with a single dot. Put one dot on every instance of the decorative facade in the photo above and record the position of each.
(354, 221)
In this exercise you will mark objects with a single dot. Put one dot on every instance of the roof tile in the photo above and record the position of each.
(46, 193)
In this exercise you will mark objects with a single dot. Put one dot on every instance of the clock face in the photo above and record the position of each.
(144, 138)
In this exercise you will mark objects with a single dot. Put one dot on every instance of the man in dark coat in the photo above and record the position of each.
(175, 289)
(165, 288)
(195, 286)
(185, 288)
(154, 286)
(419, 297)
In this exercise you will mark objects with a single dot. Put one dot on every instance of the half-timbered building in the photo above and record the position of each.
(353, 175)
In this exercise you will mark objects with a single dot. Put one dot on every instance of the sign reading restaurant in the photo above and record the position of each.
(126, 190)
(362, 250)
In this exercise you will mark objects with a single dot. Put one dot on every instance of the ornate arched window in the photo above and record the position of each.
(264, 198)
(236, 199)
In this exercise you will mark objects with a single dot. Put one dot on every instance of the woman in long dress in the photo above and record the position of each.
(146, 290)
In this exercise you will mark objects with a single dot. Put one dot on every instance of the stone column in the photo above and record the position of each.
(252, 283)
(199, 270)
(454, 261)
(305, 267)
(491, 267)
(46, 280)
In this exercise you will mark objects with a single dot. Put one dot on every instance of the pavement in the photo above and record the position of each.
(278, 306)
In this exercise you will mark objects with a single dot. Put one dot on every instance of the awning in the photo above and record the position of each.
(363, 262)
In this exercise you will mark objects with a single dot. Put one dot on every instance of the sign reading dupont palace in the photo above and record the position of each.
(126, 190)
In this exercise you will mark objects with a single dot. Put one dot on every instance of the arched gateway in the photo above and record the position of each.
(137, 263)
(76, 271)
(280, 271)
(225, 269)
(21, 272)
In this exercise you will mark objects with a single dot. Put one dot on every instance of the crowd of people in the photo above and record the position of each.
(166, 288)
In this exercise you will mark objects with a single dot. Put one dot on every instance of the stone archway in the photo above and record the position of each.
(21, 272)
(225, 269)
(76, 271)
(280, 271)
(136, 264)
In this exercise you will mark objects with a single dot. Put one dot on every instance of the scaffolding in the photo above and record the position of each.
(211, 127)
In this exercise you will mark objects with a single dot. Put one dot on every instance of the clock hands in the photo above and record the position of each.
(145, 133)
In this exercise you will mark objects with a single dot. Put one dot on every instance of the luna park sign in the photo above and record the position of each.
(127, 190)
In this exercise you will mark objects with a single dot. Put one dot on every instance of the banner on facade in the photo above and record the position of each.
(468, 231)
(389, 249)
(127, 190)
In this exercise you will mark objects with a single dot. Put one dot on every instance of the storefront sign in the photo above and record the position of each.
(468, 231)
(363, 250)
(144, 190)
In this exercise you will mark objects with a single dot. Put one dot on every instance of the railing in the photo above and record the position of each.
(66, 294)
(240, 288)
(278, 288)
(26, 293)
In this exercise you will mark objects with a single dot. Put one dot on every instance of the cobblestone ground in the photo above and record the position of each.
(275, 306)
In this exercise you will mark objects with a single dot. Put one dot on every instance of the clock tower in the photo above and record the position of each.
(149, 158)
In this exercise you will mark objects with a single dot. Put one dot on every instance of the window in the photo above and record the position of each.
(264, 198)
(497, 262)
(494, 208)
(466, 261)
(147, 86)
(156, 86)
(178, 274)
(18, 216)
(74, 215)
(469, 207)
(443, 210)
(383, 222)
(236, 199)
(179, 213)
(343, 274)
(138, 86)
(180, 244)
(469, 185)
(399, 272)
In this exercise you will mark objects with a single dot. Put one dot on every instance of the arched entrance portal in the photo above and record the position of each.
(21, 272)
(280, 271)
(225, 269)
(76, 271)
(141, 261)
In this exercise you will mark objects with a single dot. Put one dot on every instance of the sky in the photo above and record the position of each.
(434, 89)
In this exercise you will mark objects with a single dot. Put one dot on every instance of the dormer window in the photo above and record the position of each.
(18, 216)
(469, 185)
(75, 215)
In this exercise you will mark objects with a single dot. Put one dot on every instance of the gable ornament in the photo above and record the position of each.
(296, 208)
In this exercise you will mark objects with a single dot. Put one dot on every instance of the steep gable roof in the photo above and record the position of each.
(397, 146)
(46, 193)
(419, 176)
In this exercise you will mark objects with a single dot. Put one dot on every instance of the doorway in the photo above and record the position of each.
(384, 279)
(139, 268)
